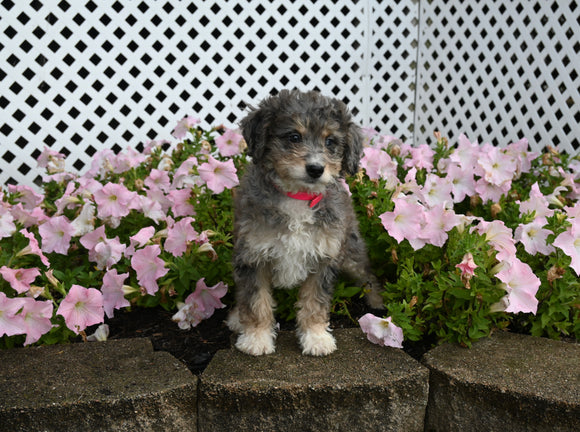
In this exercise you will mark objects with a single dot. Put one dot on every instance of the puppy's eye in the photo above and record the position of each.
(295, 138)
(330, 142)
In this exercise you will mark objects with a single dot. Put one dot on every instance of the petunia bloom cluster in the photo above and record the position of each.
(124, 233)
(442, 207)
(467, 238)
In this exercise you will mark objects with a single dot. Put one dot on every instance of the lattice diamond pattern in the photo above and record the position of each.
(393, 57)
(499, 71)
(80, 76)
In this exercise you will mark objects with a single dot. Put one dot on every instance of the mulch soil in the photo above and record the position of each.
(196, 347)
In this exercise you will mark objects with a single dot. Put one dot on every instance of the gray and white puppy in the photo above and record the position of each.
(294, 221)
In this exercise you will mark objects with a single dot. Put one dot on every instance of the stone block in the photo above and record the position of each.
(507, 382)
(360, 387)
(118, 385)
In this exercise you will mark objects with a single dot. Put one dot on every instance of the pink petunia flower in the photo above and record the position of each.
(33, 248)
(28, 218)
(381, 331)
(405, 221)
(179, 235)
(229, 144)
(210, 297)
(499, 237)
(139, 240)
(384, 141)
(184, 125)
(36, 319)
(159, 196)
(379, 165)
(533, 236)
(181, 202)
(189, 314)
(52, 160)
(26, 196)
(523, 158)
(149, 267)
(536, 203)
(438, 221)
(421, 157)
(436, 191)
(521, 284)
(19, 279)
(152, 208)
(68, 200)
(498, 167)
(184, 175)
(91, 239)
(11, 322)
(369, 133)
(85, 221)
(158, 179)
(462, 182)
(218, 175)
(82, 307)
(126, 160)
(56, 234)
(114, 200)
(200, 305)
(466, 154)
(7, 227)
(491, 192)
(112, 289)
(569, 242)
(105, 252)
(149, 146)
(467, 266)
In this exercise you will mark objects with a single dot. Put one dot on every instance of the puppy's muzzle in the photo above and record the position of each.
(314, 170)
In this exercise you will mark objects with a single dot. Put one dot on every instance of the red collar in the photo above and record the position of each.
(305, 196)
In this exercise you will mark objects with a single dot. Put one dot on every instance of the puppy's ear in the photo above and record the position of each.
(253, 130)
(353, 149)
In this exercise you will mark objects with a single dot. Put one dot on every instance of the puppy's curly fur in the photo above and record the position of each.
(300, 143)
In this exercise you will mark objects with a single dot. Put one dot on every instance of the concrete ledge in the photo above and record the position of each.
(504, 383)
(508, 382)
(360, 387)
(119, 385)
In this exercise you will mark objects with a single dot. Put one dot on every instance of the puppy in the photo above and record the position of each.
(294, 222)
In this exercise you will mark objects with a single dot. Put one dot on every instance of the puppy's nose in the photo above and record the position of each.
(314, 170)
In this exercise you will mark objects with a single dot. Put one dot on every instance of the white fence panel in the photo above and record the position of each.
(80, 76)
(499, 71)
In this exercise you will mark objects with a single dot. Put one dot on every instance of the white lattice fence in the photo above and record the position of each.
(80, 76)
(499, 71)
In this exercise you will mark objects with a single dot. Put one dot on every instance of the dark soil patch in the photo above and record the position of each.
(197, 346)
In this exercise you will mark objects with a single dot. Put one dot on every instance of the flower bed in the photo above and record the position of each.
(466, 239)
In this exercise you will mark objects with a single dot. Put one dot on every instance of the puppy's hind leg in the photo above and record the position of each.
(253, 316)
(357, 266)
(313, 313)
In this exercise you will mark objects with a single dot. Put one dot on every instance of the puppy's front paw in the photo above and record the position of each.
(317, 343)
(256, 342)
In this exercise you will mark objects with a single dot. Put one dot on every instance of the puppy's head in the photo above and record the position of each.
(305, 140)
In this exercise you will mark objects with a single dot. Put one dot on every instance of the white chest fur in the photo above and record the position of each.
(294, 250)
